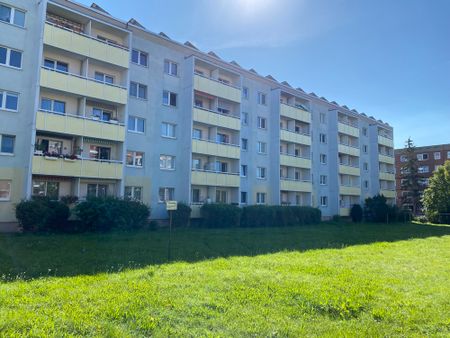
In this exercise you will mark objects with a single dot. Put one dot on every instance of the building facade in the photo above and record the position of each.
(95, 106)
(429, 159)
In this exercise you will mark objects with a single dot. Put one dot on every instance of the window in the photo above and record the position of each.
(323, 179)
(221, 196)
(140, 58)
(97, 190)
(99, 153)
(133, 193)
(262, 148)
(365, 149)
(195, 195)
(323, 118)
(167, 162)
(366, 184)
(9, 101)
(10, 57)
(54, 106)
(56, 65)
(448, 154)
(364, 131)
(138, 90)
(169, 98)
(262, 122)
(261, 98)
(5, 190)
(243, 197)
(136, 124)
(422, 157)
(221, 167)
(260, 198)
(261, 173)
(403, 158)
(423, 169)
(323, 138)
(197, 134)
(166, 194)
(244, 144)
(245, 93)
(437, 155)
(171, 68)
(7, 144)
(49, 189)
(323, 159)
(323, 201)
(366, 166)
(168, 130)
(244, 118)
(244, 170)
(135, 159)
(12, 15)
(104, 78)
(196, 163)
(222, 138)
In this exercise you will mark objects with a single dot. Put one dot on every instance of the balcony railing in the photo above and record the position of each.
(348, 123)
(216, 80)
(349, 145)
(296, 132)
(216, 142)
(294, 179)
(298, 106)
(90, 118)
(349, 165)
(215, 171)
(218, 112)
(293, 155)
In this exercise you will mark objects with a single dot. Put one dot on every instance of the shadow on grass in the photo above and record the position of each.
(27, 256)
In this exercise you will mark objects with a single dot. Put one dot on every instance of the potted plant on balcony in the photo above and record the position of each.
(70, 158)
(115, 121)
(52, 156)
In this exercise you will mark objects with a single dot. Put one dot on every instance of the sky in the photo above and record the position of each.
(389, 59)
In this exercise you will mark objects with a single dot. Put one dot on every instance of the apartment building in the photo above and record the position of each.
(96, 106)
(429, 158)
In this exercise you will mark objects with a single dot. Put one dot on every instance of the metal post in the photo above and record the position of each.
(170, 237)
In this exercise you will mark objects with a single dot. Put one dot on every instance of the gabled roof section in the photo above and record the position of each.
(334, 102)
(189, 44)
(234, 63)
(214, 55)
(363, 114)
(136, 23)
(300, 90)
(164, 35)
(286, 84)
(355, 111)
(270, 77)
(313, 94)
(253, 71)
(323, 98)
(344, 106)
(98, 8)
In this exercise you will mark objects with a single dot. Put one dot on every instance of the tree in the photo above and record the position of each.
(376, 209)
(409, 174)
(436, 198)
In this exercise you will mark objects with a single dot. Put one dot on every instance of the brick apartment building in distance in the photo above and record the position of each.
(91, 105)
(429, 159)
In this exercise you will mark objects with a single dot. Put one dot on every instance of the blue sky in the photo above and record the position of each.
(389, 59)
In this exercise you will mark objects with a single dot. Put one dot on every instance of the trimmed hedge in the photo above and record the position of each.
(279, 216)
(217, 215)
(181, 216)
(42, 214)
(356, 213)
(103, 214)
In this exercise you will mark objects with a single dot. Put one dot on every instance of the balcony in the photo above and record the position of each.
(349, 190)
(347, 149)
(348, 129)
(216, 119)
(386, 159)
(85, 45)
(388, 193)
(290, 136)
(387, 176)
(344, 212)
(385, 141)
(216, 88)
(349, 170)
(295, 113)
(79, 126)
(53, 166)
(294, 185)
(82, 86)
(295, 161)
(215, 179)
(212, 148)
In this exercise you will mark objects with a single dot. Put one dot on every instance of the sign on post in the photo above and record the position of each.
(171, 205)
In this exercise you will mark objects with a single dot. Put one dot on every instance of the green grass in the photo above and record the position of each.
(332, 280)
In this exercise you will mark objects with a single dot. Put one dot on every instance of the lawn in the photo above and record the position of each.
(329, 279)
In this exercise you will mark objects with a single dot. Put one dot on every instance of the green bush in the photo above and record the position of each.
(103, 214)
(257, 216)
(376, 209)
(220, 215)
(279, 216)
(181, 216)
(356, 213)
(42, 214)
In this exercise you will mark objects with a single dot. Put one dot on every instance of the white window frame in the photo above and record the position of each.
(170, 67)
(139, 55)
(8, 57)
(9, 185)
(4, 94)
(323, 158)
(262, 98)
(322, 138)
(167, 192)
(261, 173)
(323, 179)
(244, 144)
(138, 86)
(245, 93)
(244, 170)
(323, 201)
(437, 155)
(262, 122)
(167, 128)
(14, 144)
(244, 118)
(13, 15)
(260, 198)
(421, 157)
(104, 76)
(133, 192)
(246, 197)
(165, 160)
(262, 148)
(323, 118)
(52, 103)
(135, 124)
(134, 157)
(169, 98)
(364, 131)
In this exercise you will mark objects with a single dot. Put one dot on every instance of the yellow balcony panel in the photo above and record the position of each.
(293, 161)
(216, 119)
(81, 86)
(353, 191)
(289, 136)
(348, 129)
(344, 212)
(76, 168)
(78, 126)
(291, 185)
(85, 45)
(215, 179)
(195, 210)
(348, 150)
(348, 170)
(217, 88)
(388, 193)
(386, 159)
(295, 113)
(385, 141)
(387, 176)
(215, 149)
